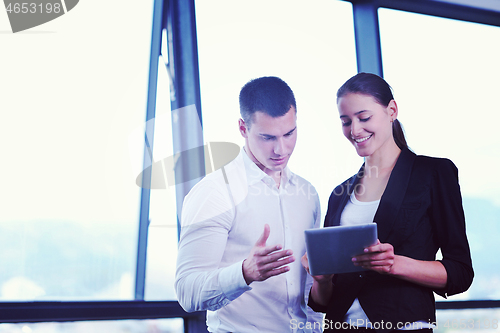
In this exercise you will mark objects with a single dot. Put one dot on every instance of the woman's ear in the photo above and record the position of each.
(392, 110)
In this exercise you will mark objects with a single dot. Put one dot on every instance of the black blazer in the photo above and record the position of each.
(419, 213)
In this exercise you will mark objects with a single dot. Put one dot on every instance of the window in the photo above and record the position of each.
(310, 47)
(73, 90)
(444, 77)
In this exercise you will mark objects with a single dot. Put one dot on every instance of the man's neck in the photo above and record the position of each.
(276, 175)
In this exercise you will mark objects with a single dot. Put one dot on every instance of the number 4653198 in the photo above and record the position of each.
(33, 8)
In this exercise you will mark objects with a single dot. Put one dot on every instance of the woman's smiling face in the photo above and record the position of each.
(366, 123)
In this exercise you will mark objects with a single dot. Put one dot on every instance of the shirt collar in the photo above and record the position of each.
(255, 174)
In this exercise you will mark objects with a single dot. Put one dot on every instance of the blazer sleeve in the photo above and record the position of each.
(449, 220)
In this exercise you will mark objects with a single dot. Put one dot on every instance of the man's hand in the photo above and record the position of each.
(318, 278)
(322, 288)
(266, 261)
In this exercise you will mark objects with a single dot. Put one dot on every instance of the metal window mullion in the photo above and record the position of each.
(142, 243)
(455, 11)
(46, 311)
(367, 37)
(183, 67)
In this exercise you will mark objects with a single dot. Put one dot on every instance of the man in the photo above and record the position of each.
(243, 226)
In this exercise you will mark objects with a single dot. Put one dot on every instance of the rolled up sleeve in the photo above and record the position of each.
(449, 218)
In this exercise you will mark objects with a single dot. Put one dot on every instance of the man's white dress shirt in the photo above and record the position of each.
(223, 216)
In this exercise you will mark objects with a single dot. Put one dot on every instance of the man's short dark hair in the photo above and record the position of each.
(268, 94)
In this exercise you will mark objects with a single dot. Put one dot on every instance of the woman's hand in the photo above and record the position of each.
(379, 258)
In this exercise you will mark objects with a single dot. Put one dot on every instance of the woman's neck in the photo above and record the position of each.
(382, 161)
(377, 171)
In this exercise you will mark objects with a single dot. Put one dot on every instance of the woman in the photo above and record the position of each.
(417, 205)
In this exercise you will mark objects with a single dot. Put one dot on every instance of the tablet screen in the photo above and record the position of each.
(330, 250)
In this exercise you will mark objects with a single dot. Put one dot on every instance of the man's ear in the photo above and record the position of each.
(243, 128)
(392, 109)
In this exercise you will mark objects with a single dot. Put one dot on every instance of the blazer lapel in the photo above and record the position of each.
(394, 193)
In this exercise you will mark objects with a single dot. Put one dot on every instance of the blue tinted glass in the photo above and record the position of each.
(444, 74)
(311, 47)
(74, 89)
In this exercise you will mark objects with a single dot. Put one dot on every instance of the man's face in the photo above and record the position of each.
(269, 142)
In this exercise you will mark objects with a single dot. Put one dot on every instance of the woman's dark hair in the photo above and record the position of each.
(375, 86)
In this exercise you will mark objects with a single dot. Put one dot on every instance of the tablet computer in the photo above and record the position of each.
(330, 250)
